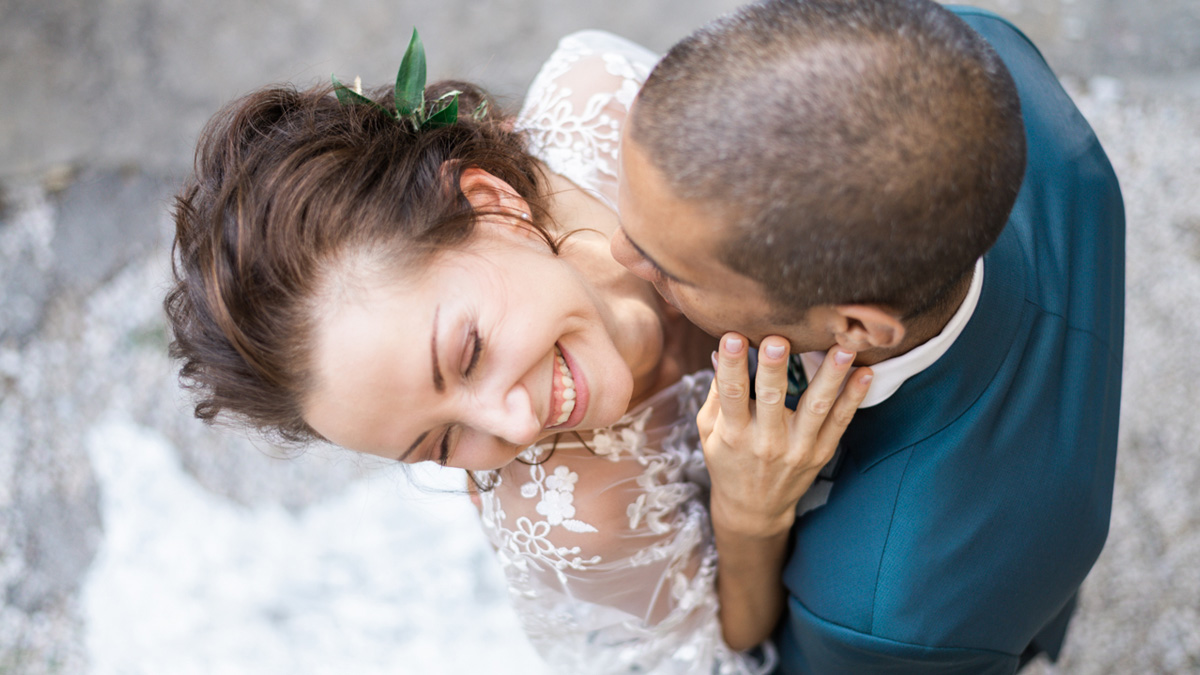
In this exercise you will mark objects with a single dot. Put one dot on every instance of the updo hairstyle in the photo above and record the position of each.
(288, 185)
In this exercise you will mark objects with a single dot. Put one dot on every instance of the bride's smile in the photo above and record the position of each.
(569, 397)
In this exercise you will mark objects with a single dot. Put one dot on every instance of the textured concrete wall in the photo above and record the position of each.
(118, 82)
(103, 99)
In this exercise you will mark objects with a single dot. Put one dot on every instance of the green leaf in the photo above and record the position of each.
(445, 117)
(445, 96)
(410, 79)
(481, 110)
(347, 96)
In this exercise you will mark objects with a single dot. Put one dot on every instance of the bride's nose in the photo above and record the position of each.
(509, 415)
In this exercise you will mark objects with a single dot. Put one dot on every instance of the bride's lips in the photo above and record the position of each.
(581, 394)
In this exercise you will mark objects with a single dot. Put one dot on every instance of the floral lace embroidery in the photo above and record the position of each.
(557, 497)
(663, 488)
(530, 541)
(628, 436)
(680, 555)
(579, 136)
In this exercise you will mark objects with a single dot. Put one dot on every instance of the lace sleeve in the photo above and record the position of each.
(606, 532)
(577, 103)
(608, 550)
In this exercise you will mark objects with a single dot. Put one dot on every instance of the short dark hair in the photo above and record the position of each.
(288, 186)
(861, 151)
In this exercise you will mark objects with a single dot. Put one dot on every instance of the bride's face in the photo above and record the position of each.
(491, 348)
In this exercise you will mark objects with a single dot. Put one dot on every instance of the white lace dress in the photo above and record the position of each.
(608, 551)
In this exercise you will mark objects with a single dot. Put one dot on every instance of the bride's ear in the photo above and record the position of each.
(494, 197)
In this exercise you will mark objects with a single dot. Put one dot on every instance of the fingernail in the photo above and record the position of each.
(714, 357)
(842, 358)
(866, 379)
(773, 351)
(734, 345)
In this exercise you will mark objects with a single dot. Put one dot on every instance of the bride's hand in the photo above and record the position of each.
(761, 456)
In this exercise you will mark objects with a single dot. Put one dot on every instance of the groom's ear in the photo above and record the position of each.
(863, 327)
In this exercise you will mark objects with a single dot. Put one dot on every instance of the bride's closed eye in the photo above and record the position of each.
(472, 350)
(444, 446)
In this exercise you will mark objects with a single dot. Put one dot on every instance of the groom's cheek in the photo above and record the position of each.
(664, 289)
(693, 307)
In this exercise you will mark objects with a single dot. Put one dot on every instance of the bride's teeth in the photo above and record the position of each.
(568, 388)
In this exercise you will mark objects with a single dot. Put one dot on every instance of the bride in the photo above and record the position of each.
(429, 288)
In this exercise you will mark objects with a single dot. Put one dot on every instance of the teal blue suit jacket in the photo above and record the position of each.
(971, 504)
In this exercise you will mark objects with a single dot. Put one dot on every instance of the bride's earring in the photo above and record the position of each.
(524, 216)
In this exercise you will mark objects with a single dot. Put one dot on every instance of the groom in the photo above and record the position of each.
(909, 183)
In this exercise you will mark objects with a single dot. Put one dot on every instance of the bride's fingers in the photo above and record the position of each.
(770, 387)
(857, 386)
(706, 419)
(733, 380)
(818, 399)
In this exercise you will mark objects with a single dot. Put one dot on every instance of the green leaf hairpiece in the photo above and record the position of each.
(409, 95)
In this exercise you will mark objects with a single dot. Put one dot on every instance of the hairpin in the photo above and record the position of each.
(409, 94)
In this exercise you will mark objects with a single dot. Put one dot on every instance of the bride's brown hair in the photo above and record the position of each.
(290, 184)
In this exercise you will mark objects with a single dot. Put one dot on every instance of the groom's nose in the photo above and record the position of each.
(625, 253)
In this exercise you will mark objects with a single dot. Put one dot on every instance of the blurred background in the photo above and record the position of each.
(135, 540)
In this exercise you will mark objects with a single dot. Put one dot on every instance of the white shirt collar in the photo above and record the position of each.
(893, 372)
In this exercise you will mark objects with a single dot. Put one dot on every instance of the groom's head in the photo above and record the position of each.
(801, 155)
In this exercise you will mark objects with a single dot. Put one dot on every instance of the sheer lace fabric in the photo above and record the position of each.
(575, 107)
(608, 553)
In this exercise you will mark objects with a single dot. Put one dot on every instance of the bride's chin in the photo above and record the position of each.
(638, 333)
(622, 397)
(644, 362)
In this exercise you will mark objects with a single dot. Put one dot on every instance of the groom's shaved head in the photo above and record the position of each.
(857, 151)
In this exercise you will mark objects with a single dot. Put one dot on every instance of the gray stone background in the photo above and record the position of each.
(102, 100)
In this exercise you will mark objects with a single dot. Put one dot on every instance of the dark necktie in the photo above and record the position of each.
(797, 382)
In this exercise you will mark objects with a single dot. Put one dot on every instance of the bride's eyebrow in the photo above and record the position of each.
(439, 382)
